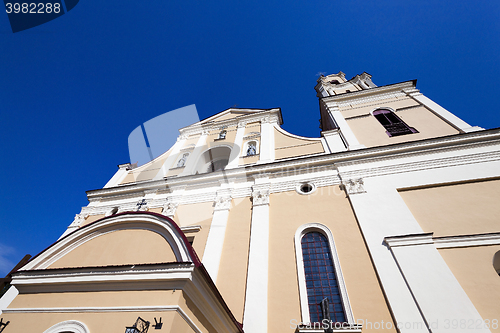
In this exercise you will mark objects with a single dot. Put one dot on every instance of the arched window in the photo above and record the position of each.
(321, 280)
(393, 124)
(214, 159)
(319, 276)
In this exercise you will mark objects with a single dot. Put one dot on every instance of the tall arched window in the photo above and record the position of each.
(320, 276)
(321, 280)
(393, 124)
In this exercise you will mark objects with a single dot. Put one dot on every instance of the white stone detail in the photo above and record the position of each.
(354, 186)
(260, 197)
(222, 203)
(169, 209)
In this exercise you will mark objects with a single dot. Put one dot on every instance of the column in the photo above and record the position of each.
(193, 158)
(267, 140)
(349, 137)
(334, 140)
(382, 212)
(255, 316)
(437, 292)
(215, 241)
(442, 112)
(234, 158)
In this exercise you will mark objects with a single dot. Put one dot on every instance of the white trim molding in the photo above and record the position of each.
(304, 304)
(68, 326)
(444, 242)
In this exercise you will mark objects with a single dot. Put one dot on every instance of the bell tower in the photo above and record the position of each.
(366, 115)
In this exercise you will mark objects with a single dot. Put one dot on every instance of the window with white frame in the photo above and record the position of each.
(320, 276)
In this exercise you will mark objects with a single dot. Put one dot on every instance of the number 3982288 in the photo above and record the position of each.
(32, 8)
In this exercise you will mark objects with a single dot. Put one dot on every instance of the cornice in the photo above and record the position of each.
(444, 242)
(311, 167)
(368, 94)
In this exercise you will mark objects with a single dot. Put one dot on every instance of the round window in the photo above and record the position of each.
(305, 188)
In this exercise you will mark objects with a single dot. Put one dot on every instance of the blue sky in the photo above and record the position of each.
(73, 89)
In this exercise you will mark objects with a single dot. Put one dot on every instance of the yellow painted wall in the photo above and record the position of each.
(353, 110)
(191, 140)
(150, 170)
(328, 206)
(473, 268)
(231, 279)
(96, 299)
(249, 160)
(370, 132)
(288, 146)
(119, 248)
(91, 219)
(212, 138)
(196, 214)
(252, 127)
(460, 209)
(113, 321)
(110, 322)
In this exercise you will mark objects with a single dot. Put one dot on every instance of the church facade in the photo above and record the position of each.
(388, 221)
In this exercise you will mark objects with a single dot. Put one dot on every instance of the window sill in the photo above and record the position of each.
(247, 156)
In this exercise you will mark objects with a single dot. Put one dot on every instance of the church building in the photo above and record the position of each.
(387, 222)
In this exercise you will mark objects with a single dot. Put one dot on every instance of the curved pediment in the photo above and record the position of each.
(126, 238)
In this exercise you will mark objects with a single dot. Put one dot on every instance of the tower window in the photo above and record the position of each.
(321, 279)
(393, 125)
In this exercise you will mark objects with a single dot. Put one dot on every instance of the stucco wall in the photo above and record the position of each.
(196, 214)
(370, 132)
(231, 279)
(289, 146)
(473, 268)
(110, 321)
(328, 206)
(459, 209)
(119, 247)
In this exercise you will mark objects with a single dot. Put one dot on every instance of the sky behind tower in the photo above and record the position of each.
(73, 89)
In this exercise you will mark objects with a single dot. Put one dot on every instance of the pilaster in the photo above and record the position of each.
(267, 139)
(234, 158)
(216, 235)
(255, 316)
(345, 130)
(199, 147)
(441, 112)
